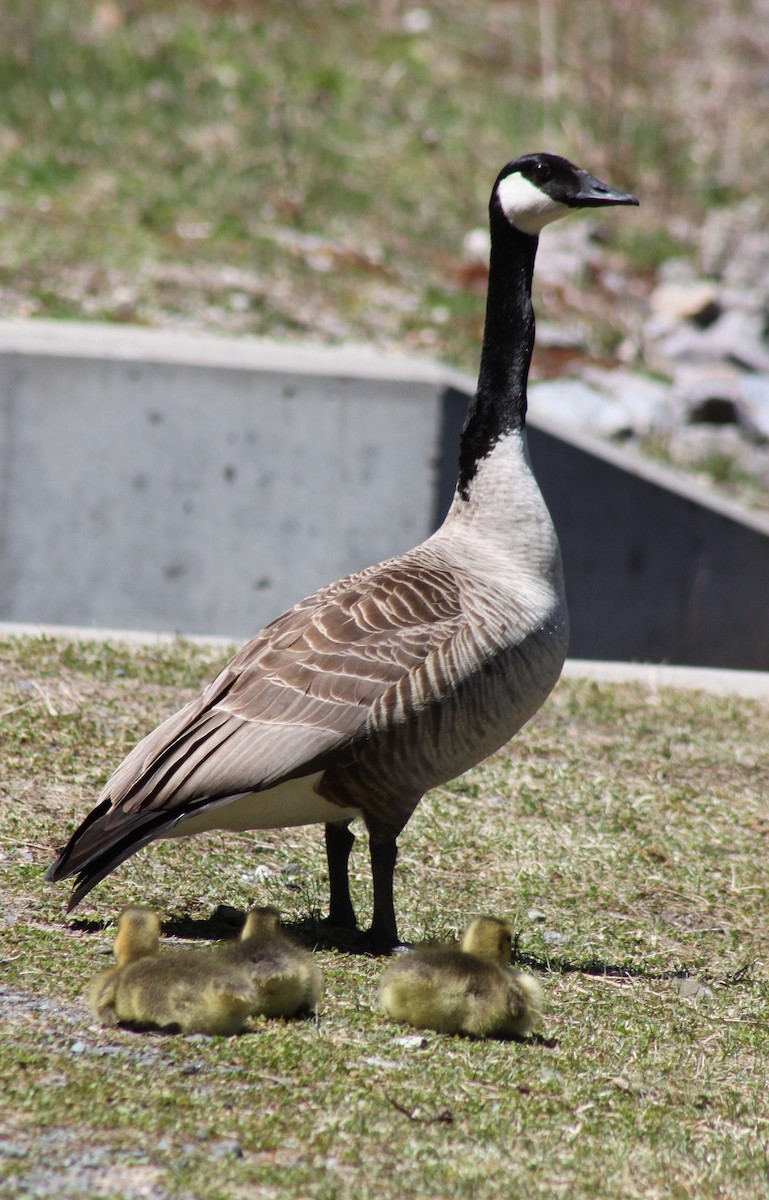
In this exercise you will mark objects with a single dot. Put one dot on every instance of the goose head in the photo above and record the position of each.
(536, 189)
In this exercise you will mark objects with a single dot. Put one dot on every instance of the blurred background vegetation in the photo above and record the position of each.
(314, 168)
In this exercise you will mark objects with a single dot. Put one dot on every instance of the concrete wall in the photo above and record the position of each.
(199, 484)
(656, 570)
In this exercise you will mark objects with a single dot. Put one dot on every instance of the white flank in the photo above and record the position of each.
(526, 207)
(294, 802)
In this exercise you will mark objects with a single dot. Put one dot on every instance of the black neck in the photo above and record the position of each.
(499, 406)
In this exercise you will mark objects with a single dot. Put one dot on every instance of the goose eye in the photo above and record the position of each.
(541, 172)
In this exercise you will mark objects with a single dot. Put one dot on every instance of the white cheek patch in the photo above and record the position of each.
(526, 207)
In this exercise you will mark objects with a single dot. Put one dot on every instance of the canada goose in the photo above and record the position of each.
(400, 677)
(471, 990)
(283, 978)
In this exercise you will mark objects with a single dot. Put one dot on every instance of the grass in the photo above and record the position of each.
(624, 833)
(314, 171)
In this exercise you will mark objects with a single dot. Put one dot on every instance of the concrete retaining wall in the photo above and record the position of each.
(200, 484)
(164, 482)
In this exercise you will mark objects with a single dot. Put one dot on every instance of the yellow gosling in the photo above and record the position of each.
(213, 990)
(189, 991)
(138, 937)
(470, 990)
(284, 979)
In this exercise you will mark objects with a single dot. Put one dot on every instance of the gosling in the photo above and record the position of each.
(284, 979)
(138, 937)
(470, 990)
(212, 991)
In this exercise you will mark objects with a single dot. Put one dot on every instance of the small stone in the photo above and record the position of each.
(691, 988)
(475, 247)
(386, 1064)
(553, 938)
(416, 21)
(536, 914)
(259, 874)
(412, 1041)
(9, 1149)
(570, 401)
(225, 1149)
(551, 336)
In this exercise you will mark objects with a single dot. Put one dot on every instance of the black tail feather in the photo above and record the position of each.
(82, 856)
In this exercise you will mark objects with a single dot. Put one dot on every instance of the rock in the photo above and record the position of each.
(227, 1148)
(696, 301)
(733, 244)
(568, 252)
(740, 336)
(476, 246)
(612, 404)
(736, 337)
(677, 270)
(559, 337)
(647, 403)
(259, 874)
(691, 988)
(752, 406)
(553, 938)
(570, 401)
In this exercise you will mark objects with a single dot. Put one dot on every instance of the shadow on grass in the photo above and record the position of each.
(625, 970)
(226, 923)
(315, 933)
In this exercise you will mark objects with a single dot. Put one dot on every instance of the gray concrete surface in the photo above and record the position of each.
(160, 481)
(151, 480)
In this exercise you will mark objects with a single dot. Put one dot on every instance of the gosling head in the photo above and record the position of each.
(536, 189)
(260, 921)
(138, 934)
(490, 938)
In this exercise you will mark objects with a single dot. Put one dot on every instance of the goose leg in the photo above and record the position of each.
(382, 937)
(339, 843)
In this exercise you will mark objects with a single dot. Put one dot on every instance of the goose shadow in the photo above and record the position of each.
(315, 933)
(225, 923)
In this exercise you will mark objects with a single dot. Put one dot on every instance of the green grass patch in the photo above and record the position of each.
(314, 170)
(624, 833)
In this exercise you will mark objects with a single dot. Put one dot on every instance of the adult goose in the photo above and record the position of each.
(398, 678)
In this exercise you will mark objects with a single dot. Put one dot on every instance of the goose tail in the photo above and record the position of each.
(93, 851)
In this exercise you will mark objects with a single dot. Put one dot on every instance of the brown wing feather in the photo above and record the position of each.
(300, 690)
